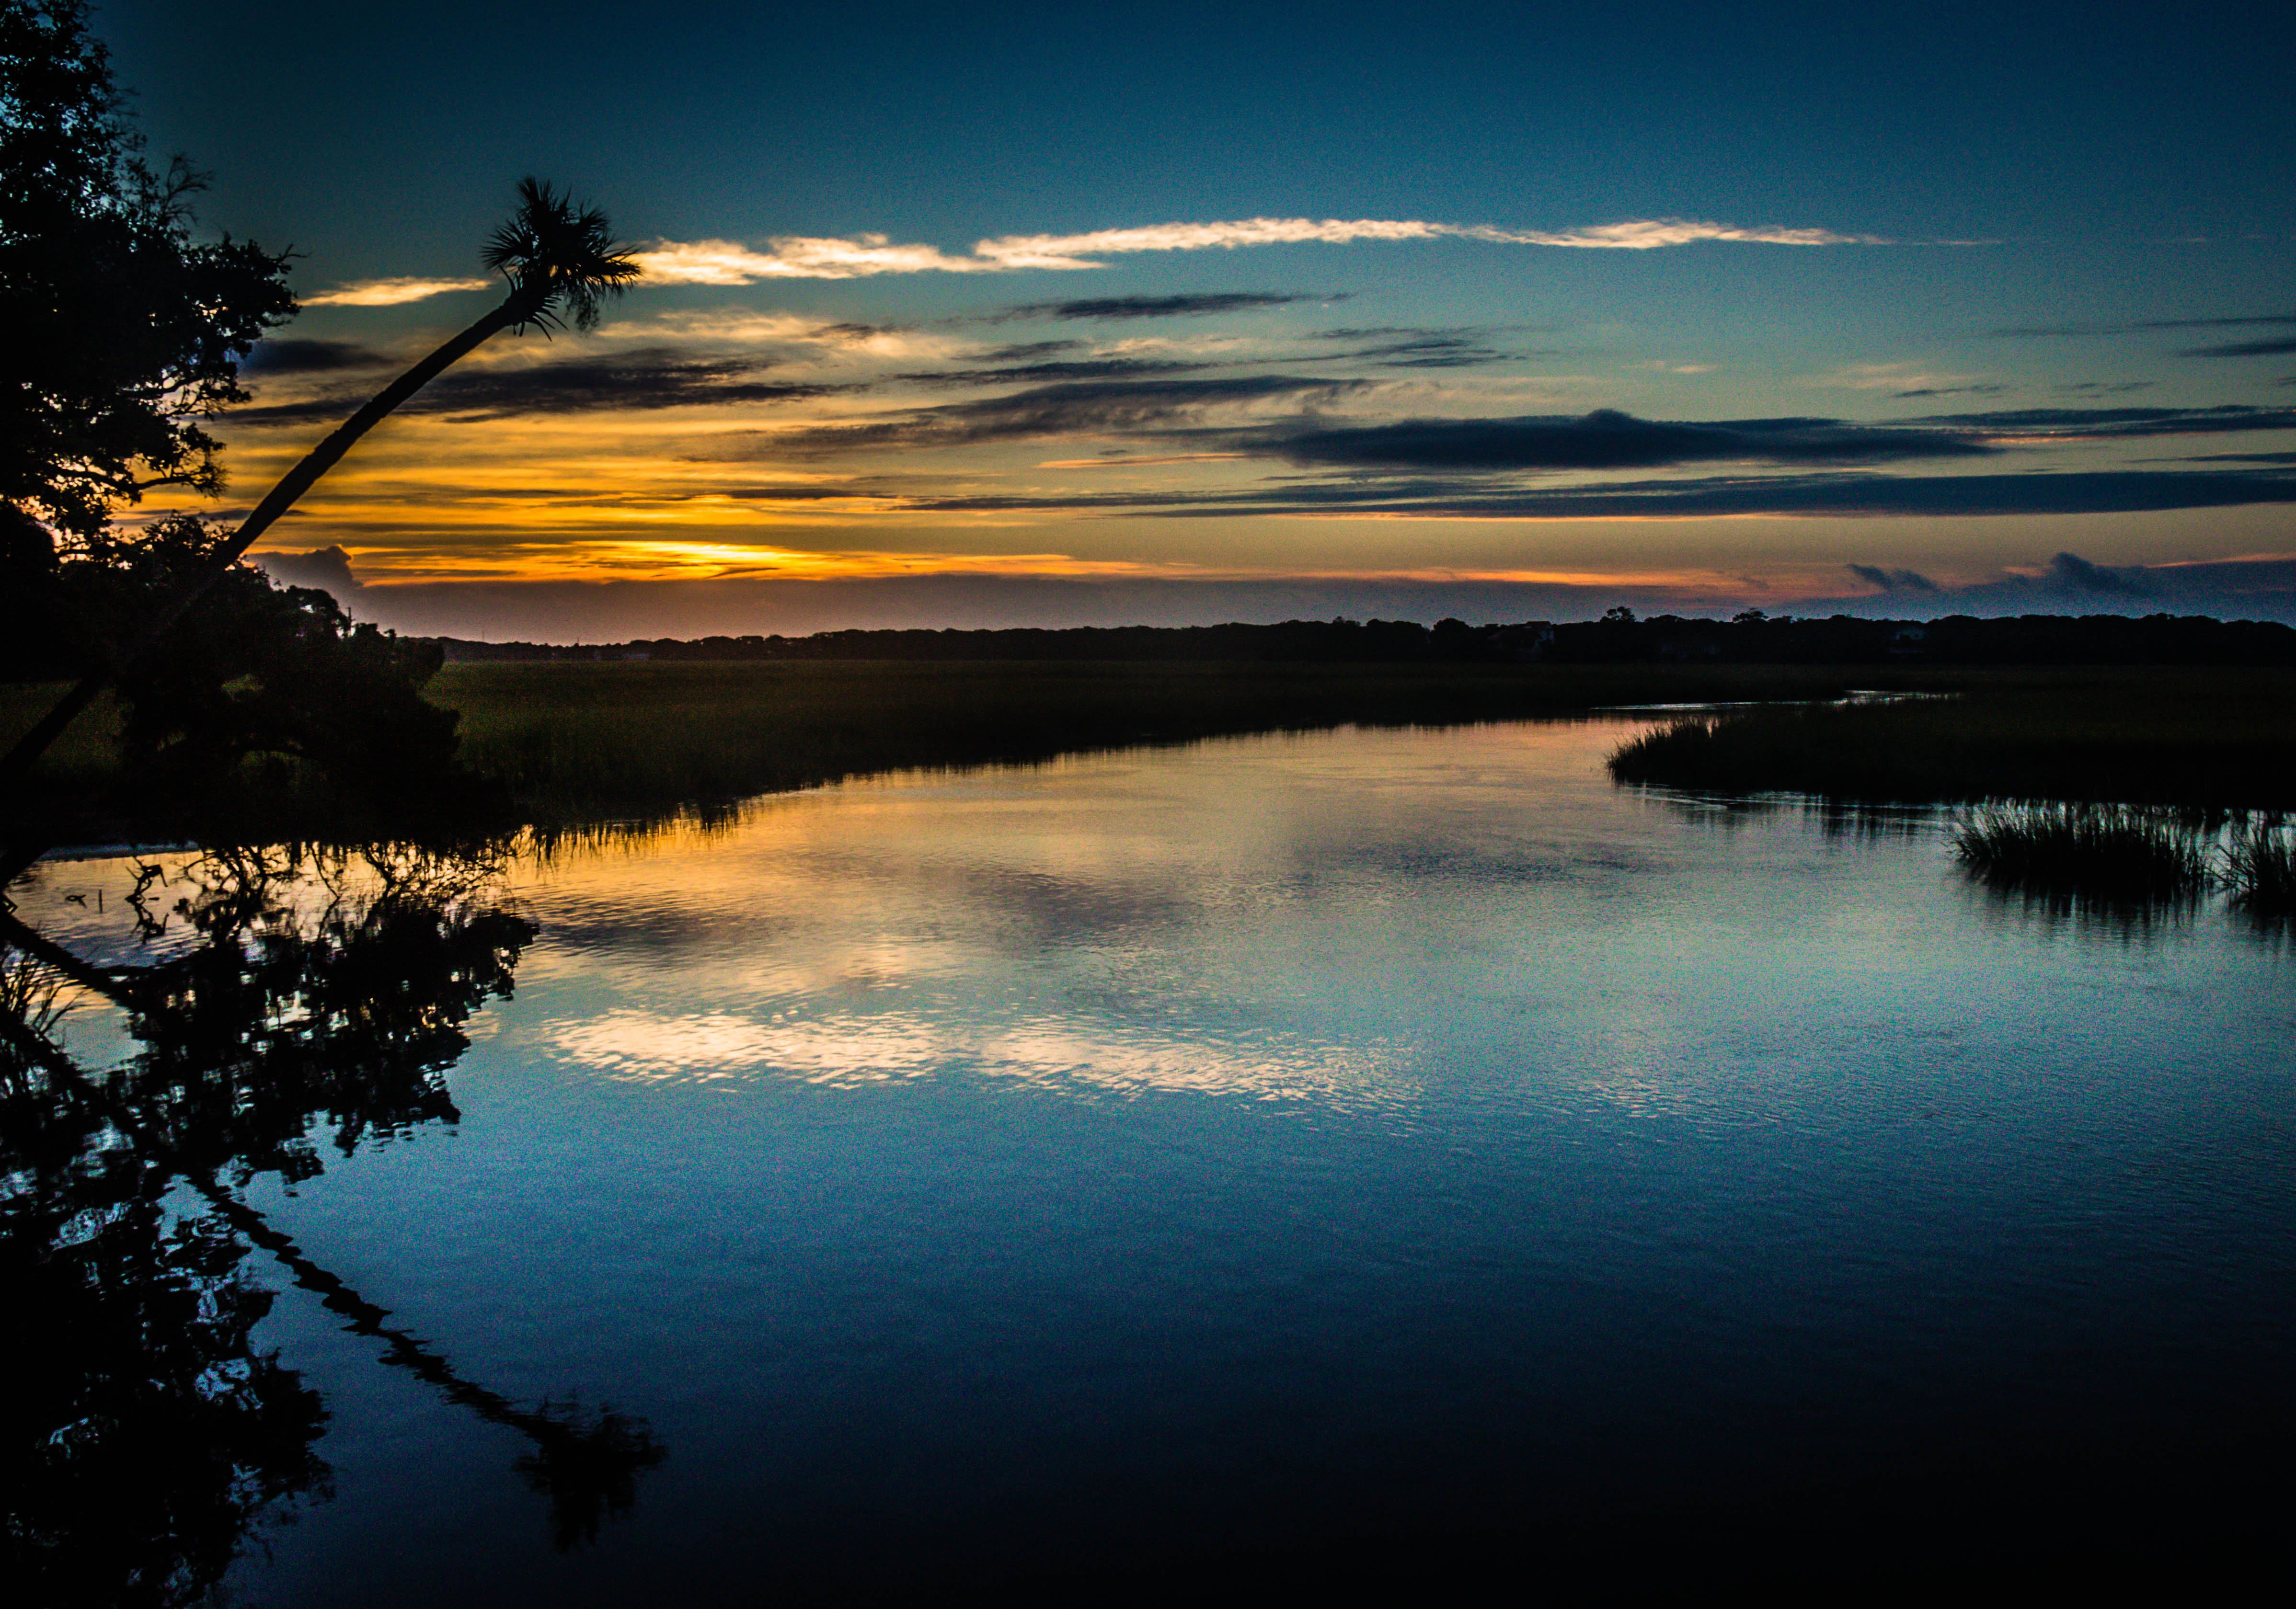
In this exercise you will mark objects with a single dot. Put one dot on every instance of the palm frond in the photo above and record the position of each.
(562, 261)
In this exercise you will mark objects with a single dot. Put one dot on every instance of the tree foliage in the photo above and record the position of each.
(265, 712)
(266, 707)
(124, 332)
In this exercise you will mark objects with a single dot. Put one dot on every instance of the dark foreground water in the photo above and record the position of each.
(1357, 1152)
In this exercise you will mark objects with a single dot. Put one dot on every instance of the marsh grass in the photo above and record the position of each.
(2224, 738)
(577, 743)
(2124, 858)
(2104, 852)
(580, 742)
(2259, 868)
(2107, 791)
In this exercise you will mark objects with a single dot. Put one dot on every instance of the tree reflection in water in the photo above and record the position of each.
(275, 998)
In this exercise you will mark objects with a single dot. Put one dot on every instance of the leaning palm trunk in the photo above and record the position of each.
(551, 253)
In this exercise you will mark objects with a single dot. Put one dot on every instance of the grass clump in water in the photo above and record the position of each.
(2259, 868)
(2110, 852)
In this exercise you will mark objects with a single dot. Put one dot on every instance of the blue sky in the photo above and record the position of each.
(1946, 293)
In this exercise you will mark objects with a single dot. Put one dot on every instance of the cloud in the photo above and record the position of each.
(328, 569)
(1900, 379)
(2071, 573)
(845, 335)
(829, 258)
(1162, 307)
(296, 355)
(794, 257)
(2245, 321)
(2270, 348)
(1896, 584)
(650, 378)
(865, 255)
(391, 292)
(1427, 352)
(1076, 408)
(2258, 586)
(1407, 347)
(1607, 439)
(2113, 423)
(1647, 234)
(730, 327)
(1120, 457)
(2109, 388)
(1029, 352)
(1984, 391)
(800, 491)
(2100, 491)
(1839, 496)
(1073, 251)
(1085, 369)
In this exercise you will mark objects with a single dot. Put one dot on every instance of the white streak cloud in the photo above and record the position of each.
(796, 257)
(1646, 234)
(391, 293)
(807, 256)
(799, 257)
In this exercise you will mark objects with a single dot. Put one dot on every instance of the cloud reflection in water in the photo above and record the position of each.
(844, 1051)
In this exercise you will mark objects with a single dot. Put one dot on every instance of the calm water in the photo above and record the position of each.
(1359, 1134)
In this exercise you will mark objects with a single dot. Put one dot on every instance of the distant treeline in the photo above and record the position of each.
(1619, 637)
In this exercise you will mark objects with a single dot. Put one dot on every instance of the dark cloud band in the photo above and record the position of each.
(1049, 373)
(651, 378)
(1163, 306)
(1607, 439)
(1108, 406)
(2277, 346)
(1841, 495)
(2113, 423)
(2245, 321)
(295, 355)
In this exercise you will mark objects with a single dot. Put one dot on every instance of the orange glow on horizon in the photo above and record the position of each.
(600, 562)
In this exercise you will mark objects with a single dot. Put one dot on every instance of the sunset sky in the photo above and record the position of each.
(1039, 314)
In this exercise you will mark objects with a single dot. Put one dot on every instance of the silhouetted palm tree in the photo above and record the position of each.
(561, 263)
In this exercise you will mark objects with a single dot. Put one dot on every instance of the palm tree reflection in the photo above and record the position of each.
(586, 1461)
(276, 999)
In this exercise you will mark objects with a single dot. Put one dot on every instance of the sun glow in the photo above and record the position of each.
(628, 559)
(726, 558)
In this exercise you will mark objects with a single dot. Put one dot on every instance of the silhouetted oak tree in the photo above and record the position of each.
(123, 331)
